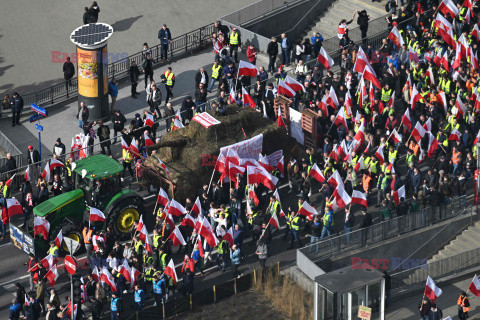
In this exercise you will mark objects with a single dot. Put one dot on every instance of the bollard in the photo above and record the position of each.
(235, 285)
(136, 315)
(214, 294)
(191, 302)
(254, 277)
(278, 267)
(163, 310)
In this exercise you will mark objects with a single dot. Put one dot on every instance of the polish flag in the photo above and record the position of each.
(325, 59)
(443, 100)
(359, 198)
(177, 124)
(462, 109)
(430, 75)
(252, 195)
(106, 276)
(232, 157)
(52, 276)
(27, 174)
(169, 220)
(360, 165)
(134, 148)
(178, 115)
(458, 58)
(361, 61)
(332, 99)
(455, 135)
(348, 102)
(418, 132)
(396, 37)
(249, 162)
(360, 135)
(247, 99)
(432, 144)
(438, 59)
(231, 97)
(148, 141)
(59, 239)
(416, 97)
(54, 163)
(448, 7)
(264, 163)
(48, 262)
(247, 69)
(464, 46)
(148, 246)
(294, 84)
(260, 175)
(396, 136)
(46, 172)
(316, 173)
(13, 207)
(134, 276)
(432, 292)
(475, 32)
(341, 30)
(277, 196)
(342, 197)
(149, 120)
(96, 215)
(371, 94)
(307, 210)
(444, 61)
(335, 180)
(176, 208)
(285, 90)
(41, 226)
(162, 198)
(412, 55)
(441, 22)
(408, 83)
(170, 271)
(474, 287)
(399, 194)
(477, 138)
(369, 74)
(95, 241)
(189, 221)
(280, 166)
(140, 224)
(448, 37)
(236, 170)
(143, 234)
(125, 146)
(95, 274)
(9, 181)
(163, 165)
(228, 236)
(274, 221)
(428, 125)
(473, 59)
(407, 120)
(206, 231)
(197, 207)
(380, 154)
(126, 271)
(340, 119)
(323, 106)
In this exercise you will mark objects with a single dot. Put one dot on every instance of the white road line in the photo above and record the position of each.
(5, 244)
(14, 280)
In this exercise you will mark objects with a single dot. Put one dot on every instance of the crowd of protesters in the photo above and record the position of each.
(368, 148)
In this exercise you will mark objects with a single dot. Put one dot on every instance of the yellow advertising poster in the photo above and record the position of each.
(87, 73)
(364, 313)
(105, 69)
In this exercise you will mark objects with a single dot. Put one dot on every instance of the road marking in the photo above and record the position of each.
(14, 280)
(5, 244)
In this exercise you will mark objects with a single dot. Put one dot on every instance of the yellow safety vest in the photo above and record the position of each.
(169, 77)
(216, 71)
(234, 38)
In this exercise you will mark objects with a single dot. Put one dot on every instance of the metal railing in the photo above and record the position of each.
(9, 147)
(181, 45)
(333, 245)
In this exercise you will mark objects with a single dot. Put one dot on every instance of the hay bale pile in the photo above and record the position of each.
(190, 152)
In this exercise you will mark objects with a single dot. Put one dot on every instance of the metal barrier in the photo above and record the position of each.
(333, 245)
(181, 45)
(9, 147)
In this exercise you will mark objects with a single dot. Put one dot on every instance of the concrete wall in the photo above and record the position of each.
(418, 246)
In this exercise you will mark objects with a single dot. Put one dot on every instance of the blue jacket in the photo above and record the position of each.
(15, 311)
(235, 256)
(162, 34)
(238, 237)
(140, 296)
(112, 89)
(196, 255)
(232, 70)
(417, 180)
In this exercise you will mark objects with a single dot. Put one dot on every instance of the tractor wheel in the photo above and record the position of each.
(124, 214)
(73, 232)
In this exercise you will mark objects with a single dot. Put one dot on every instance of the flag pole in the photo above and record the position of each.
(211, 178)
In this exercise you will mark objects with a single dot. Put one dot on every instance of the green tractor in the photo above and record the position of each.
(96, 184)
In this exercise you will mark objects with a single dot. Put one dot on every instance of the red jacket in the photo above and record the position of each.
(252, 58)
(190, 264)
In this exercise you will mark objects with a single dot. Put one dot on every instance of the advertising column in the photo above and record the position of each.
(92, 62)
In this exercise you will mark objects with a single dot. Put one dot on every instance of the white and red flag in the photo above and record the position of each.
(341, 119)
(335, 180)
(52, 275)
(162, 197)
(418, 132)
(455, 135)
(58, 239)
(96, 215)
(407, 120)
(13, 207)
(170, 271)
(126, 271)
(197, 206)
(206, 231)
(332, 99)
(369, 74)
(231, 96)
(134, 148)
(41, 226)
(307, 210)
(342, 28)
(474, 287)
(399, 194)
(176, 208)
(462, 109)
(285, 90)
(325, 59)
(432, 144)
(361, 61)
(247, 69)
(143, 234)
(428, 125)
(148, 246)
(280, 166)
(396, 136)
(134, 276)
(265, 163)
(360, 165)
(247, 99)
(177, 124)
(260, 175)
(316, 173)
(416, 97)
(359, 198)
(274, 221)
(27, 174)
(280, 122)
(396, 37)
(48, 262)
(294, 84)
(147, 139)
(149, 120)
(380, 154)
(342, 197)
(188, 220)
(448, 7)
(106, 277)
(125, 145)
(432, 292)
(140, 224)
(228, 236)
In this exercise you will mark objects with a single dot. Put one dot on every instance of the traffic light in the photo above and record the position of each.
(77, 289)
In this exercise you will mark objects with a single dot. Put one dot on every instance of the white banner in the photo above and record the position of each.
(296, 125)
(206, 120)
(275, 157)
(250, 148)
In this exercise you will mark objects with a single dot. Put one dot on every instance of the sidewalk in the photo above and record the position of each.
(62, 121)
(406, 308)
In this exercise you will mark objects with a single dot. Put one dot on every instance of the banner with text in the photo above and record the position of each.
(248, 149)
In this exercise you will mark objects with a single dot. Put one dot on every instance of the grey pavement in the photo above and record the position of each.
(407, 308)
(31, 30)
